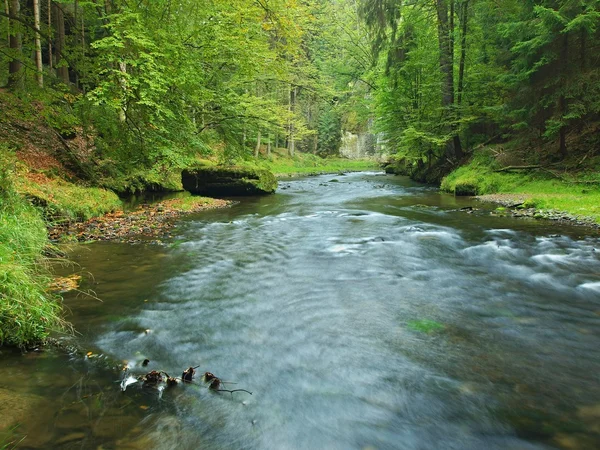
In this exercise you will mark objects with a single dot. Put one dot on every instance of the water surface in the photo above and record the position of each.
(362, 311)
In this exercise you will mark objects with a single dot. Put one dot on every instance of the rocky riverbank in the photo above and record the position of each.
(147, 224)
(516, 204)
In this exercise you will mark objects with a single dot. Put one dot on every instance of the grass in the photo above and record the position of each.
(305, 163)
(27, 310)
(62, 200)
(576, 193)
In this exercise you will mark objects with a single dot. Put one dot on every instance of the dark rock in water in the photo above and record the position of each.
(228, 181)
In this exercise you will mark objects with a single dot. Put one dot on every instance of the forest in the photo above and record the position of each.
(502, 92)
(352, 224)
(161, 82)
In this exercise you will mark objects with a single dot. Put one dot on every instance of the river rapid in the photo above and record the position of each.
(362, 311)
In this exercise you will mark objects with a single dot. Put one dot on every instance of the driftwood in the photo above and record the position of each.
(158, 378)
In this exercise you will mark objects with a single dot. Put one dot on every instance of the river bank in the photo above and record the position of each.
(514, 204)
(566, 196)
(149, 223)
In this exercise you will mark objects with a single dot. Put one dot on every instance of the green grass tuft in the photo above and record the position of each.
(27, 311)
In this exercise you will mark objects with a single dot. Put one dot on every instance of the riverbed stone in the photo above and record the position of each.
(71, 437)
(16, 406)
(228, 181)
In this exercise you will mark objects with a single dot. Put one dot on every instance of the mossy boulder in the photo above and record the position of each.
(228, 181)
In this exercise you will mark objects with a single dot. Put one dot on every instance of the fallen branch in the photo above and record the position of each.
(509, 168)
(234, 390)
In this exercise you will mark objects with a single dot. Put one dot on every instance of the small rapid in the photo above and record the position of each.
(362, 311)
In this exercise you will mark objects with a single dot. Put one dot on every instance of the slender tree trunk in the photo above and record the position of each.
(453, 147)
(451, 42)
(291, 110)
(562, 101)
(7, 10)
(445, 55)
(269, 145)
(463, 50)
(38, 44)
(123, 82)
(62, 71)
(50, 57)
(257, 148)
(75, 35)
(15, 66)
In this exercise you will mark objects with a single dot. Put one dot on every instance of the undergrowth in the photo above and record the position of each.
(27, 311)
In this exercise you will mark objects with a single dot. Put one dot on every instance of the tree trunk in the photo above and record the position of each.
(257, 148)
(62, 71)
(123, 82)
(583, 49)
(269, 145)
(15, 66)
(50, 61)
(463, 50)
(445, 55)
(75, 34)
(7, 10)
(453, 147)
(562, 101)
(38, 44)
(291, 110)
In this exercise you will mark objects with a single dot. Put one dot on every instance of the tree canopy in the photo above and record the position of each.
(163, 82)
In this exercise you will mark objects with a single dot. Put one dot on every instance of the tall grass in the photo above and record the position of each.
(27, 311)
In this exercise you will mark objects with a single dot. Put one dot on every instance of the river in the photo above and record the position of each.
(362, 311)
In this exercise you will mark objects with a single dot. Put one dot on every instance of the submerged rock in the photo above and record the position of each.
(228, 181)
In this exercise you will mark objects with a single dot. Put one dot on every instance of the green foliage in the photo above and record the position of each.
(27, 311)
(312, 164)
(329, 132)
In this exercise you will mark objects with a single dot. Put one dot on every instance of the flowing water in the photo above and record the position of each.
(362, 311)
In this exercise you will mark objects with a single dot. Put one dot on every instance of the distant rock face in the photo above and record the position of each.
(355, 146)
(228, 181)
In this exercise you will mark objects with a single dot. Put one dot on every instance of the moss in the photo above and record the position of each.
(425, 326)
(61, 200)
(229, 181)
